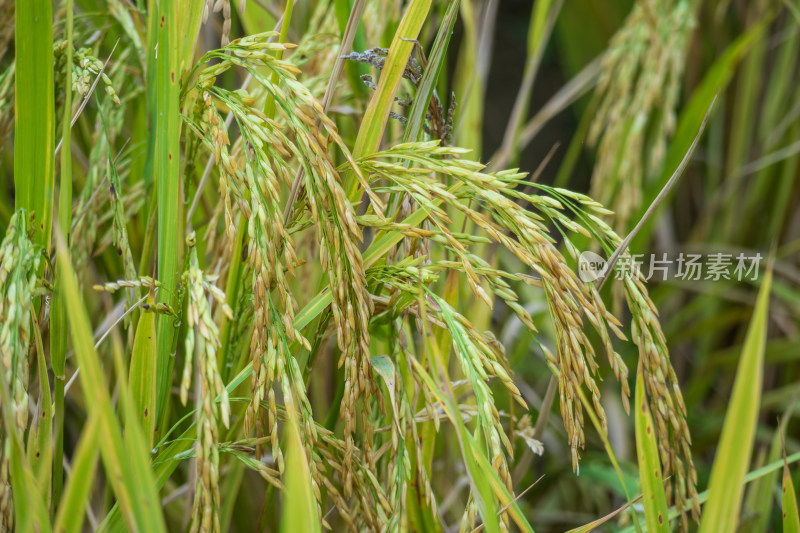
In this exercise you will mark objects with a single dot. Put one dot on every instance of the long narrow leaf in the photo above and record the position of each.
(759, 499)
(371, 131)
(167, 182)
(40, 436)
(791, 519)
(127, 466)
(76, 494)
(59, 328)
(655, 498)
(430, 76)
(726, 485)
(34, 124)
(758, 473)
(299, 508)
(143, 373)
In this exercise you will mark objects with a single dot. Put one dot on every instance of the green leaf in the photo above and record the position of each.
(300, 511)
(543, 16)
(34, 109)
(717, 78)
(791, 519)
(384, 367)
(759, 499)
(163, 465)
(430, 76)
(167, 147)
(40, 437)
(126, 465)
(269, 103)
(589, 410)
(469, 84)
(143, 373)
(73, 504)
(371, 131)
(702, 497)
(655, 499)
(59, 328)
(480, 479)
(726, 485)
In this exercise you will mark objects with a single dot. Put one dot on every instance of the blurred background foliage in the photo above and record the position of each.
(739, 194)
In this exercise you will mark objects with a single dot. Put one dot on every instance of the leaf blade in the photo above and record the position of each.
(726, 486)
(142, 377)
(34, 108)
(72, 506)
(300, 511)
(654, 496)
(127, 466)
(377, 115)
(791, 518)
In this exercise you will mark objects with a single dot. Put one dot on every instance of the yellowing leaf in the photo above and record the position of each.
(726, 485)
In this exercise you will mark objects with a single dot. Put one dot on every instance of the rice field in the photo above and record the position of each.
(399, 265)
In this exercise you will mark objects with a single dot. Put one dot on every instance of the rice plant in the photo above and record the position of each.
(259, 273)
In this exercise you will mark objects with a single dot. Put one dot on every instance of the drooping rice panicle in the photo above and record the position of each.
(202, 343)
(636, 113)
(19, 263)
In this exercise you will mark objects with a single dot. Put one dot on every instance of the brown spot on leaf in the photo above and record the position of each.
(146, 412)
